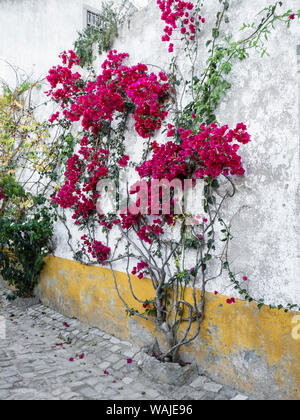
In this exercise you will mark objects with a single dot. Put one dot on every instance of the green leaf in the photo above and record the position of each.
(215, 184)
(215, 33)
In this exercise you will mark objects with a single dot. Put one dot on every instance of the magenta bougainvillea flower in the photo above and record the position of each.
(106, 96)
(124, 161)
(230, 301)
(2, 196)
(178, 14)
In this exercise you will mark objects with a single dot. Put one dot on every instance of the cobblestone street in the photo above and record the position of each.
(47, 356)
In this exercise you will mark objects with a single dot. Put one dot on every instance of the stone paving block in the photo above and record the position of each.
(152, 393)
(228, 392)
(127, 381)
(5, 364)
(115, 348)
(129, 354)
(125, 343)
(91, 380)
(208, 396)
(199, 382)
(6, 373)
(60, 392)
(4, 395)
(199, 395)
(114, 340)
(76, 385)
(212, 387)
(100, 387)
(69, 396)
(104, 365)
(4, 384)
(87, 391)
(132, 396)
(109, 392)
(220, 397)
(99, 333)
(120, 364)
(106, 336)
(113, 358)
(240, 397)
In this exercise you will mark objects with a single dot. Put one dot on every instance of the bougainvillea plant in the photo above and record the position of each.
(174, 250)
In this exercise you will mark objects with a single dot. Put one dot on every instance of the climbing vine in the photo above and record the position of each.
(103, 33)
(175, 249)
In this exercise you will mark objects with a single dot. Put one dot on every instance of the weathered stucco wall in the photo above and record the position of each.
(239, 345)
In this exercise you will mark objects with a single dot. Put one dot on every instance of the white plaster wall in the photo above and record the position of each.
(266, 227)
(264, 95)
(34, 32)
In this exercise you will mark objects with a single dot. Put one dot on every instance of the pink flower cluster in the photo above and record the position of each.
(2, 195)
(54, 117)
(210, 153)
(147, 233)
(129, 220)
(98, 101)
(85, 168)
(124, 161)
(147, 92)
(178, 14)
(64, 77)
(98, 251)
(70, 59)
(230, 301)
(140, 268)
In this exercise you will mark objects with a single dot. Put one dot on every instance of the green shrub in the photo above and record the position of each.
(25, 240)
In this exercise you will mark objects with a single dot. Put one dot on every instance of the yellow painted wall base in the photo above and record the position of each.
(255, 351)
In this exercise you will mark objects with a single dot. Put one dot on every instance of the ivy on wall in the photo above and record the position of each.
(102, 35)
